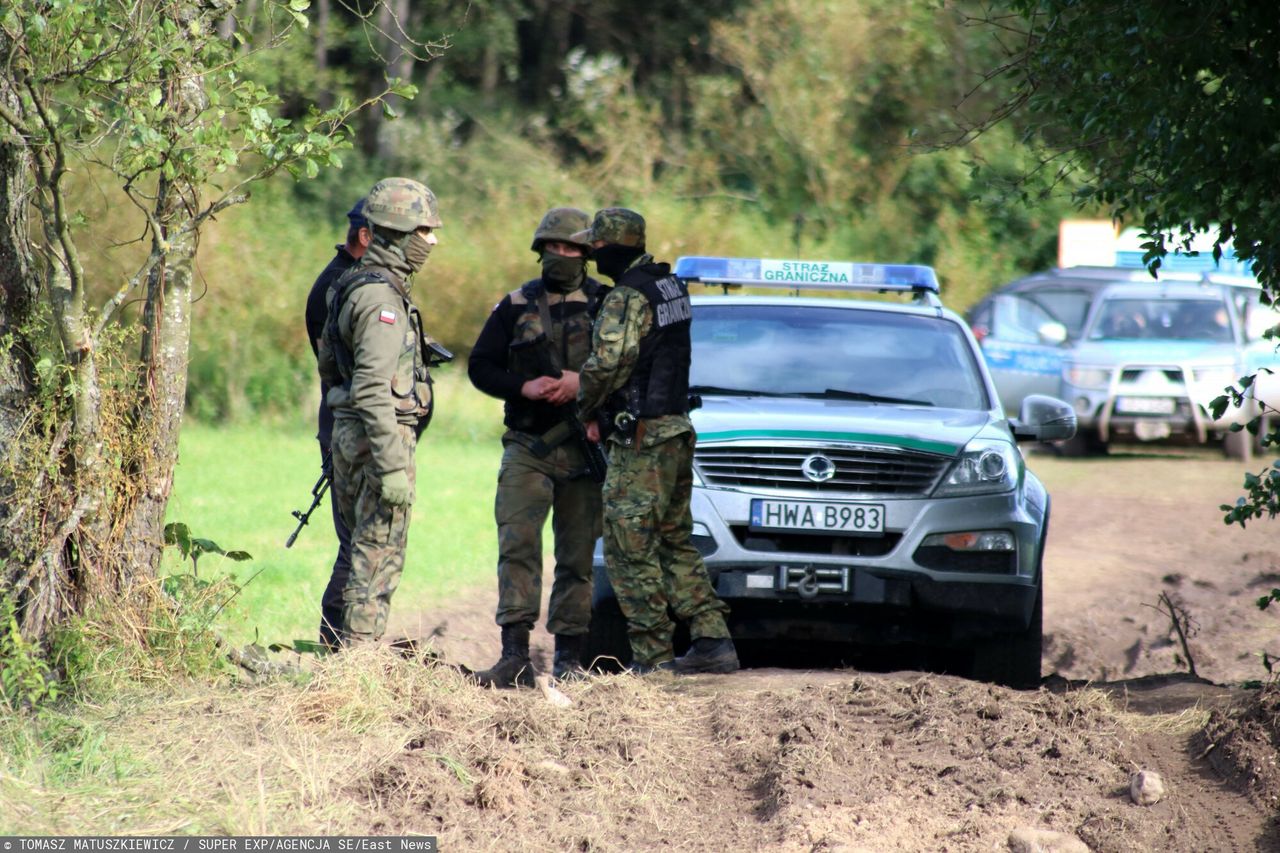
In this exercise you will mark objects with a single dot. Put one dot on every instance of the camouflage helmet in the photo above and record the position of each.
(614, 225)
(401, 204)
(561, 224)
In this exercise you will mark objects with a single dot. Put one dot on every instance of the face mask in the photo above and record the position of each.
(562, 274)
(416, 249)
(614, 259)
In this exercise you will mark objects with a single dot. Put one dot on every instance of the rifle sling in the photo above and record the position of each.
(551, 439)
(544, 314)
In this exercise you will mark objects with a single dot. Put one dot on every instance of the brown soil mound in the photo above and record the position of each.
(1242, 743)
(817, 761)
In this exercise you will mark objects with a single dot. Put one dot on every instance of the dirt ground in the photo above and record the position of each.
(839, 759)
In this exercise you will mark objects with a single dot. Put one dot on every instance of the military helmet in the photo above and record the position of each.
(614, 225)
(561, 224)
(401, 204)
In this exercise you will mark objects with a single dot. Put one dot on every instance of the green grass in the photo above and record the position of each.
(237, 485)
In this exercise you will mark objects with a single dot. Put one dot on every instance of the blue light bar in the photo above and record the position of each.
(821, 275)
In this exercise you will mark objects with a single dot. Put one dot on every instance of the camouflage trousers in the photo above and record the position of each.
(651, 562)
(529, 487)
(379, 531)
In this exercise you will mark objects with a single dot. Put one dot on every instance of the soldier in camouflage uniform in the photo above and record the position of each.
(635, 387)
(528, 355)
(374, 358)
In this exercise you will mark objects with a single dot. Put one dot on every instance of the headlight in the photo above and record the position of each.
(985, 466)
(1086, 376)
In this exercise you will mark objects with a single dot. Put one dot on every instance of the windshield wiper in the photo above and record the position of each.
(840, 394)
(734, 392)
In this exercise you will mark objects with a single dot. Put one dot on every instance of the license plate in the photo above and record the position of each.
(818, 517)
(1151, 430)
(1146, 405)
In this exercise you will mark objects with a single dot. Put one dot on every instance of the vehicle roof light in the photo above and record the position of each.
(819, 275)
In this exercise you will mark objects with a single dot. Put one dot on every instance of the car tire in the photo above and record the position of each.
(1013, 658)
(1238, 445)
(606, 647)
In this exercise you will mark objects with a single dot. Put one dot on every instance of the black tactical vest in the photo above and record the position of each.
(659, 383)
(545, 346)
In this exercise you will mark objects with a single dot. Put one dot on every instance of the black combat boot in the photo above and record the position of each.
(514, 668)
(568, 660)
(707, 654)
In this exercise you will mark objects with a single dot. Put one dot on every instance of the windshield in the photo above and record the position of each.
(1162, 319)
(1068, 307)
(836, 353)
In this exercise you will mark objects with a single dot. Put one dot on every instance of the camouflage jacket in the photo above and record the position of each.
(387, 381)
(625, 318)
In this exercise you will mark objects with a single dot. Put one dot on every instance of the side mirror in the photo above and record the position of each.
(1044, 419)
(1052, 332)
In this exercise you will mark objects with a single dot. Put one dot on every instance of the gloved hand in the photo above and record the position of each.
(396, 489)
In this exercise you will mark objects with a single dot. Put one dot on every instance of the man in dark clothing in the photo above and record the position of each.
(358, 237)
(528, 355)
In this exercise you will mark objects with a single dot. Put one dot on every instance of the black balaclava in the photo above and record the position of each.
(561, 274)
(613, 259)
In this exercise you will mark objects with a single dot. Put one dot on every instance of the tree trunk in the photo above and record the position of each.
(157, 417)
(489, 70)
(321, 53)
(19, 289)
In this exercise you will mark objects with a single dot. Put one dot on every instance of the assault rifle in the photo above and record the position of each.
(317, 494)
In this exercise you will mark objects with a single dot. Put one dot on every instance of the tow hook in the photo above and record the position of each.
(808, 586)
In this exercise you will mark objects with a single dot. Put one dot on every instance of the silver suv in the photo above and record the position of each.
(855, 477)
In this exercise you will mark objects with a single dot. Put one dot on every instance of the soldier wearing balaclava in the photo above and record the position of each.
(528, 355)
(375, 358)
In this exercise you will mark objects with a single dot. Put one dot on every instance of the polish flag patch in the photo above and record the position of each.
(387, 317)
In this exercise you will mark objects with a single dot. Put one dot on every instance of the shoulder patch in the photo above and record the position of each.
(387, 316)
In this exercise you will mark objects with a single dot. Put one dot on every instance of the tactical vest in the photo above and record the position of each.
(411, 384)
(659, 383)
(545, 346)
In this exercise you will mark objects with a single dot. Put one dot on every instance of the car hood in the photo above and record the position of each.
(1153, 352)
(931, 430)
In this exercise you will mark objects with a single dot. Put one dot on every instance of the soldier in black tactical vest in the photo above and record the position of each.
(528, 355)
(375, 357)
(635, 388)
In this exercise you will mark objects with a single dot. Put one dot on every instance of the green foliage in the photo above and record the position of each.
(752, 128)
(193, 548)
(26, 681)
(162, 635)
(1172, 111)
(1172, 116)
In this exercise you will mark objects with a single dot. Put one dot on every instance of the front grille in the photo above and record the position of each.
(815, 543)
(1131, 374)
(858, 469)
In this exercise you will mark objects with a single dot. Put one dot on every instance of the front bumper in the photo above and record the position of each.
(874, 589)
(1136, 406)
